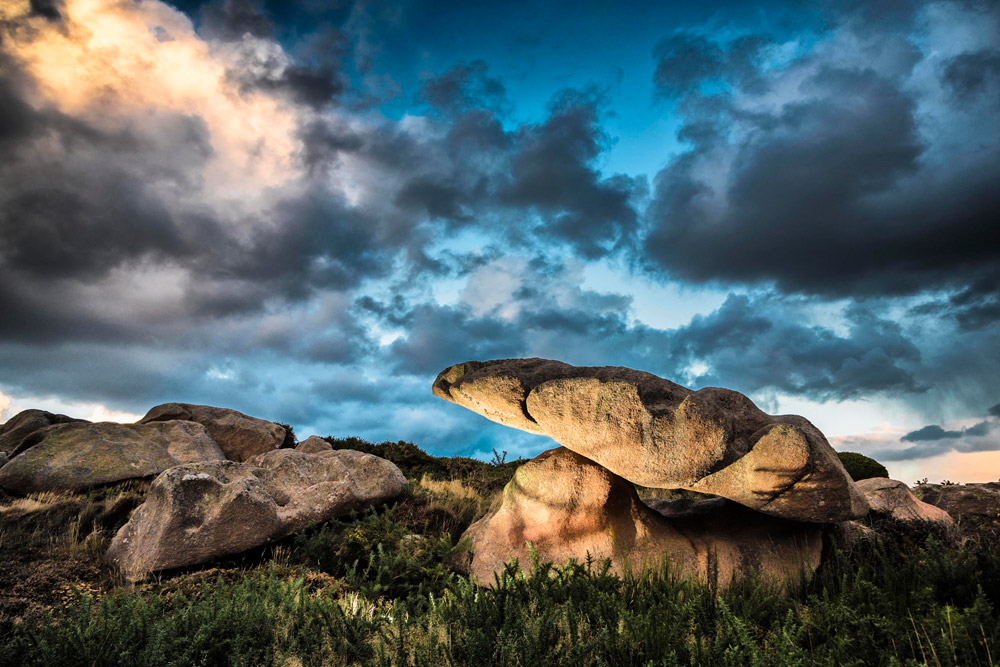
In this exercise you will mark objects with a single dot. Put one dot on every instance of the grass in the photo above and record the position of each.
(383, 588)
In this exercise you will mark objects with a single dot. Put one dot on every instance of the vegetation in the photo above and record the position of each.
(415, 463)
(861, 467)
(289, 441)
(385, 588)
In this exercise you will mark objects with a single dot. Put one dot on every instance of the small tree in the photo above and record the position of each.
(861, 467)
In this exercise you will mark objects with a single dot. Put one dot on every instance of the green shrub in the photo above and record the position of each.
(861, 467)
(289, 441)
(415, 463)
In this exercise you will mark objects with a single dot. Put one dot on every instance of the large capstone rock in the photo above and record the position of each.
(240, 436)
(963, 500)
(77, 456)
(200, 512)
(892, 497)
(568, 507)
(15, 429)
(659, 434)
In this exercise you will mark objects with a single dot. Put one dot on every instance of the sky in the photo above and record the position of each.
(305, 211)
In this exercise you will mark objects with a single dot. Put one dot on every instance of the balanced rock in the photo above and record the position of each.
(313, 445)
(892, 497)
(240, 436)
(15, 429)
(659, 434)
(77, 456)
(199, 512)
(567, 506)
(963, 500)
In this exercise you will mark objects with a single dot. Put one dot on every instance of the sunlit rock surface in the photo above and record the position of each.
(659, 434)
(240, 436)
(200, 512)
(24, 423)
(895, 498)
(567, 506)
(77, 456)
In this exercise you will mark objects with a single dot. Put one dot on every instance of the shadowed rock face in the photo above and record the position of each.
(240, 436)
(568, 506)
(77, 456)
(659, 434)
(23, 424)
(199, 512)
(963, 500)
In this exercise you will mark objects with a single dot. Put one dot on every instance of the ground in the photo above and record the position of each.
(385, 587)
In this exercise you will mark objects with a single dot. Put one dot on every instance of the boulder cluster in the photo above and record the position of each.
(776, 481)
(751, 493)
(223, 483)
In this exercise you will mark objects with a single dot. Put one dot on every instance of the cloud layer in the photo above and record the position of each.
(262, 206)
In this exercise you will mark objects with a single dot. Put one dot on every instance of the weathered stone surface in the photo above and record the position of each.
(659, 434)
(893, 497)
(961, 500)
(568, 506)
(199, 512)
(314, 445)
(15, 429)
(77, 456)
(240, 436)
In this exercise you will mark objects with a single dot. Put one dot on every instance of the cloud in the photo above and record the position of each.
(846, 168)
(930, 433)
(753, 344)
(933, 440)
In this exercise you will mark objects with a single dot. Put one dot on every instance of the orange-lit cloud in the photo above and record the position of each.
(120, 63)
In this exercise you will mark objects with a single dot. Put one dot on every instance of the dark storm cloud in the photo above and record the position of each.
(535, 183)
(465, 86)
(684, 61)
(979, 438)
(93, 205)
(47, 8)
(930, 433)
(933, 440)
(832, 187)
(553, 173)
(934, 432)
(436, 335)
(969, 73)
(314, 36)
(749, 344)
(754, 345)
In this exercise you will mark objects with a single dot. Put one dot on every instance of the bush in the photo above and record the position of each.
(416, 463)
(861, 467)
(289, 441)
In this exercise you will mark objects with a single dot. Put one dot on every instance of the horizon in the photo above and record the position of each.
(305, 213)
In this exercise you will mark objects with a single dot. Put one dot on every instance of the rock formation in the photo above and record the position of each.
(15, 429)
(240, 436)
(314, 445)
(199, 512)
(963, 500)
(659, 434)
(76, 456)
(894, 498)
(567, 506)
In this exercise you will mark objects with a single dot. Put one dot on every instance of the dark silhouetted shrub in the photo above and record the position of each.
(861, 467)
